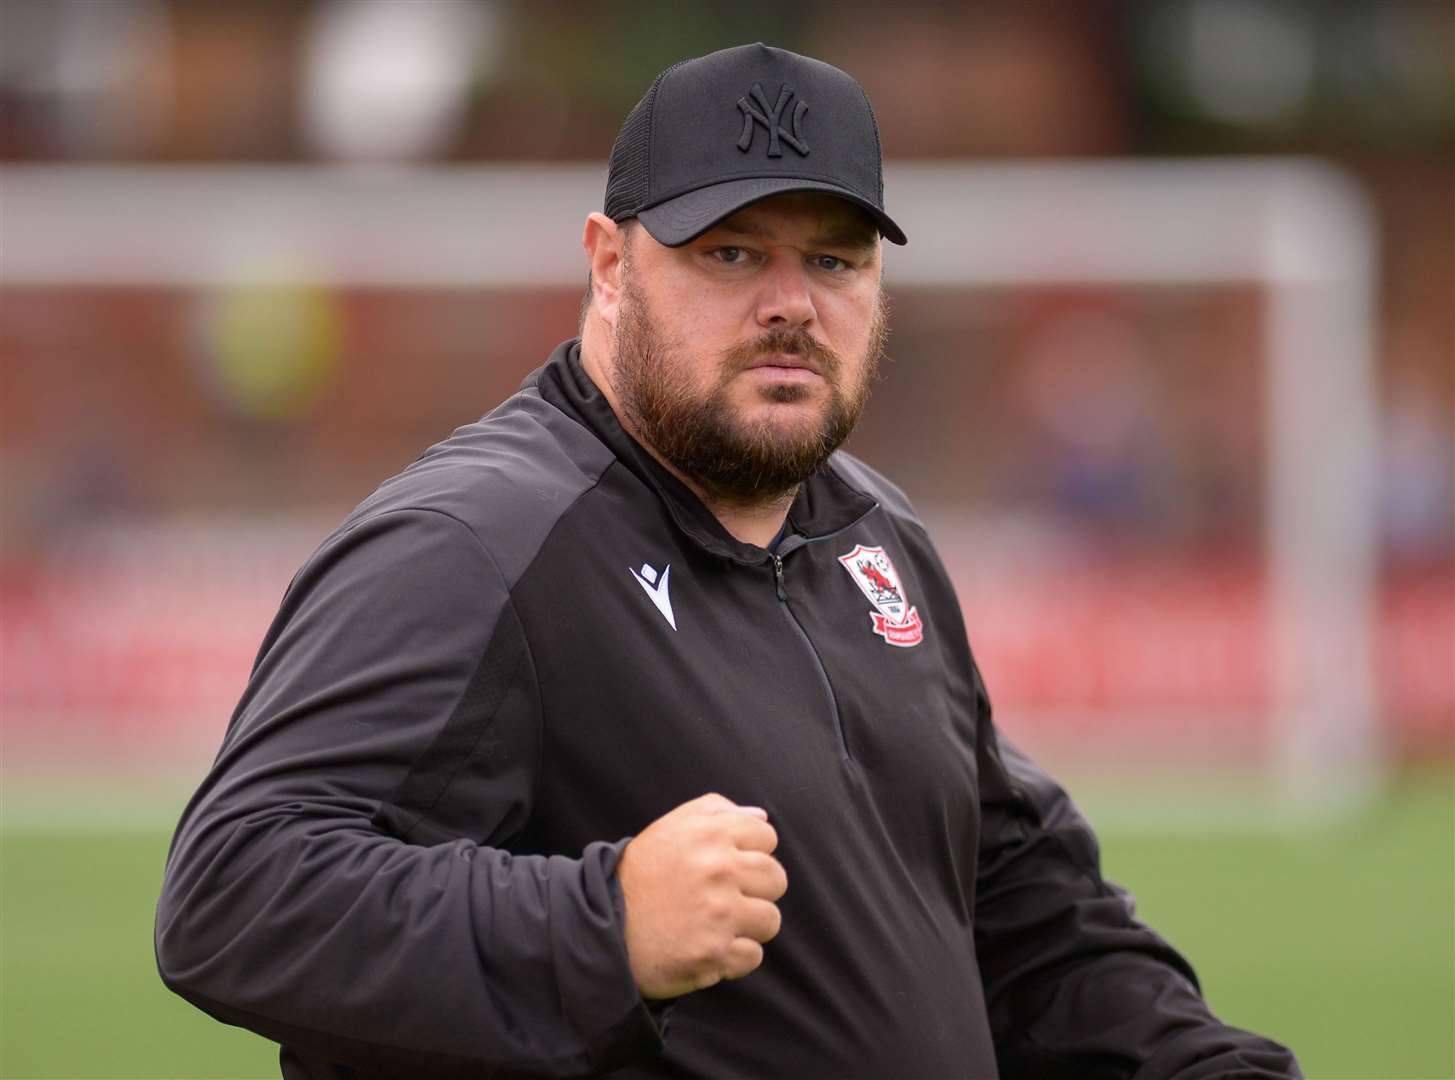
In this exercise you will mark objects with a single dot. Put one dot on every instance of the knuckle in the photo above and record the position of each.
(706, 828)
(780, 880)
(707, 978)
(775, 921)
(712, 864)
(769, 877)
(765, 925)
(706, 952)
(713, 954)
(716, 909)
(746, 957)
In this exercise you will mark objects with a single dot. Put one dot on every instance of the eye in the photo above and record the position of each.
(831, 263)
(730, 255)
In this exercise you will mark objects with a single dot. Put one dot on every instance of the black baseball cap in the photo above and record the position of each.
(719, 132)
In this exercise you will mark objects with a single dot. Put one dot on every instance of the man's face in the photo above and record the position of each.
(744, 358)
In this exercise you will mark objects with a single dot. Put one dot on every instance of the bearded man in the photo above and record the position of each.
(633, 729)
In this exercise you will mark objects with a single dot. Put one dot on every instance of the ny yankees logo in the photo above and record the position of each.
(769, 119)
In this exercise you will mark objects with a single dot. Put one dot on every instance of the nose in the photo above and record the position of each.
(785, 301)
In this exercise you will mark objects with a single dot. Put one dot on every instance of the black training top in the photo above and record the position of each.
(533, 642)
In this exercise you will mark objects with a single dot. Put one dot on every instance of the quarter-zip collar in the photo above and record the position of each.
(826, 503)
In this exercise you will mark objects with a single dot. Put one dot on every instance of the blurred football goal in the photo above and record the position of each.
(1227, 679)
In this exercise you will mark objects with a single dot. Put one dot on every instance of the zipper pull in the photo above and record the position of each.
(778, 578)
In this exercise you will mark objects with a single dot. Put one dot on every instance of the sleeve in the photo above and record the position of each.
(1076, 987)
(339, 882)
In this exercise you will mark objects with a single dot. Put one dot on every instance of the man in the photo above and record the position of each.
(633, 728)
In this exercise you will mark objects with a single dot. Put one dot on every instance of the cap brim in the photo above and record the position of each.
(688, 216)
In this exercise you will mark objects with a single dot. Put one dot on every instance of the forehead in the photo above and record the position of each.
(802, 216)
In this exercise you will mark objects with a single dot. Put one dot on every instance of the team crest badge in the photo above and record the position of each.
(892, 618)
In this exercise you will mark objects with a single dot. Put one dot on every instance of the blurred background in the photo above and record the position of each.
(1173, 382)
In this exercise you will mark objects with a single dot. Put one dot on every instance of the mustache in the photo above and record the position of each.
(780, 342)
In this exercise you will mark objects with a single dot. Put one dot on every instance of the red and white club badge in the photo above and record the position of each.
(893, 619)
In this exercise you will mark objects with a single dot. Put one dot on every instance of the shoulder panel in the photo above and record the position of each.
(508, 477)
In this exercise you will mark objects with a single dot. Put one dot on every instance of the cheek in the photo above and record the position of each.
(848, 322)
(705, 320)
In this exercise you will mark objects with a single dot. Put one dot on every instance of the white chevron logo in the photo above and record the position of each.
(657, 589)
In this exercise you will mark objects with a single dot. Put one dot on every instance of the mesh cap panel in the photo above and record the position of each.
(629, 174)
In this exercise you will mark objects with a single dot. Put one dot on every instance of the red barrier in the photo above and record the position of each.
(134, 650)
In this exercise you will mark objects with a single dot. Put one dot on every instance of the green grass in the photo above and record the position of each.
(79, 991)
(1340, 943)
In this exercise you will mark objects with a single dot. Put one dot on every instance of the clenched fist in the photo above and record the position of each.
(700, 884)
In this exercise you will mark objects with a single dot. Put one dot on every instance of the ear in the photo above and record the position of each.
(603, 240)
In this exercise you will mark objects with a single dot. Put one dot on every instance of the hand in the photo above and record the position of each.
(700, 885)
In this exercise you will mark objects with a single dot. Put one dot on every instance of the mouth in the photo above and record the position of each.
(784, 364)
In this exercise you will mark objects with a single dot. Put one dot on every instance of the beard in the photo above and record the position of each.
(735, 460)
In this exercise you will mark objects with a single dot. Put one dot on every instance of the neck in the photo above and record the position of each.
(752, 523)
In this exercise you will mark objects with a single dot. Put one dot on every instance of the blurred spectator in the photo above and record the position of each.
(1417, 476)
(1087, 391)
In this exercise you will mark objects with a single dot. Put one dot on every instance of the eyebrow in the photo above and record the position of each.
(847, 236)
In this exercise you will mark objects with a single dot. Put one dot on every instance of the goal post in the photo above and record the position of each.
(1304, 233)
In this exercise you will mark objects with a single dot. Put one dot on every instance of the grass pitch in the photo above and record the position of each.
(1340, 943)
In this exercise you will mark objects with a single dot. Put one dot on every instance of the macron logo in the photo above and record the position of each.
(656, 589)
